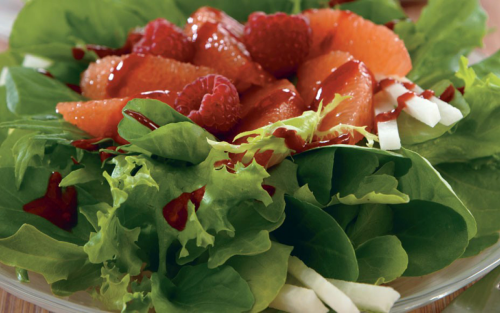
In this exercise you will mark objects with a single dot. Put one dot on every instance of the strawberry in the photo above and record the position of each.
(266, 105)
(211, 102)
(279, 42)
(218, 49)
(208, 14)
(165, 39)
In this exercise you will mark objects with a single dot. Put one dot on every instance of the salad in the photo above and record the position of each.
(245, 156)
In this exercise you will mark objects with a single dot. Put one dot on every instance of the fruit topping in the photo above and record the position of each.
(279, 42)
(211, 102)
(352, 79)
(218, 49)
(117, 77)
(164, 39)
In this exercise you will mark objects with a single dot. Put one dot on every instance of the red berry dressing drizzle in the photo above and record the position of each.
(142, 119)
(87, 144)
(394, 114)
(448, 95)
(102, 51)
(176, 211)
(58, 207)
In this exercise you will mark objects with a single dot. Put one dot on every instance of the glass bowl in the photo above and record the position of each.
(415, 291)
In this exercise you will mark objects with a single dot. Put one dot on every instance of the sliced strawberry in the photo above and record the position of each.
(133, 74)
(211, 102)
(164, 39)
(263, 106)
(311, 73)
(279, 42)
(351, 79)
(218, 49)
(100, 118)
(208, 14)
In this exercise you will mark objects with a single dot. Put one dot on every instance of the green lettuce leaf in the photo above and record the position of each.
(478, 244)
(25, 151)
(381, 260)
(477, 187)
(53, 259)
(429, 245)
(445, 32)
(423, 182)
(251, 236)
(302, 225)
(31, 93)
(476, 136)
(265, 273)
(178, 137)
(199, 289)
(71, 22)
(114, 288)
(335, 171)
(378, 11)
(372, 220)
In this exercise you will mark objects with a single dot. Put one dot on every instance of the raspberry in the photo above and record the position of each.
(212, 102)
(279, 42)
(165, 39)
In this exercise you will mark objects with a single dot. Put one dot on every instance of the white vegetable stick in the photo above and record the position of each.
(423, 110)
(388, 133)
(295, 299)
(327, 292)
(449, 114)
(368, 297)
(33, 61)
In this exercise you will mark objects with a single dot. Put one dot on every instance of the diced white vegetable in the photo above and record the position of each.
(419, 108)
(368, 297)
(3, 76)
(388, 133)
(449, 114)
(33, 61)
(327, 292)
(295, 299)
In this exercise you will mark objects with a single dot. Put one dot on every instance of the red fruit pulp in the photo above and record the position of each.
(56, 206)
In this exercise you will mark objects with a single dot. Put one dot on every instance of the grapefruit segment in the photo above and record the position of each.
(99, 118)
(323, 24)
(311, 73)
(351, 79)
(137, 73)
(376, 45)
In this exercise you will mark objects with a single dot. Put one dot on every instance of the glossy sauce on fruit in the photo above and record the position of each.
(57, 206)
(352, 79)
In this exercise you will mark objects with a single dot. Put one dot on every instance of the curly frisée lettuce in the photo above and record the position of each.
(304, 126)
(174, 222)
